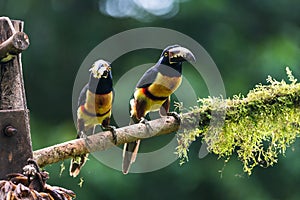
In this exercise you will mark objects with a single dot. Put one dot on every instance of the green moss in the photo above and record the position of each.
(257, 127)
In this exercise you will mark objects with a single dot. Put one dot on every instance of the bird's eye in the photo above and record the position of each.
(166, 54)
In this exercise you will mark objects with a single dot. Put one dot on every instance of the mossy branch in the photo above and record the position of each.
(258, 127)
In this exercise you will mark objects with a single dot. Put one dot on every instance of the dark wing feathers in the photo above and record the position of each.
(148, 77)
(82, 96)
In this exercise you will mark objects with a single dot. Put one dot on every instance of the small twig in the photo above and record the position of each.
(14, 45)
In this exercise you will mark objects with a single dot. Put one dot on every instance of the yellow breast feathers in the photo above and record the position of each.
(164, 86)
(96, 108)
(98, 103)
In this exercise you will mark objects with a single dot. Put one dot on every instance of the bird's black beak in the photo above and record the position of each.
(106, 73)
(100, 69)
(180, 54)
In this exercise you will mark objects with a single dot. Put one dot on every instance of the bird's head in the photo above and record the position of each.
(100, 69)
(176, 54)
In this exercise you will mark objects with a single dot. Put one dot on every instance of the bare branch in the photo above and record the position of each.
(103, 140)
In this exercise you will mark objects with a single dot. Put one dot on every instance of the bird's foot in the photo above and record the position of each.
(113, 131)
(84, 136)
(175, 115)
(81, 134)
(146, 122)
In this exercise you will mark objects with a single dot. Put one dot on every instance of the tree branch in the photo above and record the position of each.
(103, 140)
(267, 115)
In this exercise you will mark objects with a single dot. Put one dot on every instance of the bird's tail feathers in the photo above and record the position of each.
(129, 155)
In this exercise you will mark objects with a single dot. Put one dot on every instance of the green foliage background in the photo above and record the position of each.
(248, 40)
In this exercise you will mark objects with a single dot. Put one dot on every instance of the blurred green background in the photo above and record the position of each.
(248, 40)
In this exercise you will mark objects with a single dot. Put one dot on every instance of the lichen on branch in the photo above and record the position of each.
(258, 127)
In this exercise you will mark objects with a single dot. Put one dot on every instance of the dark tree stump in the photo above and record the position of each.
(15, 141)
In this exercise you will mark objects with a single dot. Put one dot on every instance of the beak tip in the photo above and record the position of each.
(191, 57)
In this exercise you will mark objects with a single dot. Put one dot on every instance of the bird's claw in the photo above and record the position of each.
(146, 122)
(85, 137)
(113, 131)
(175, 115)
(81, 135)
